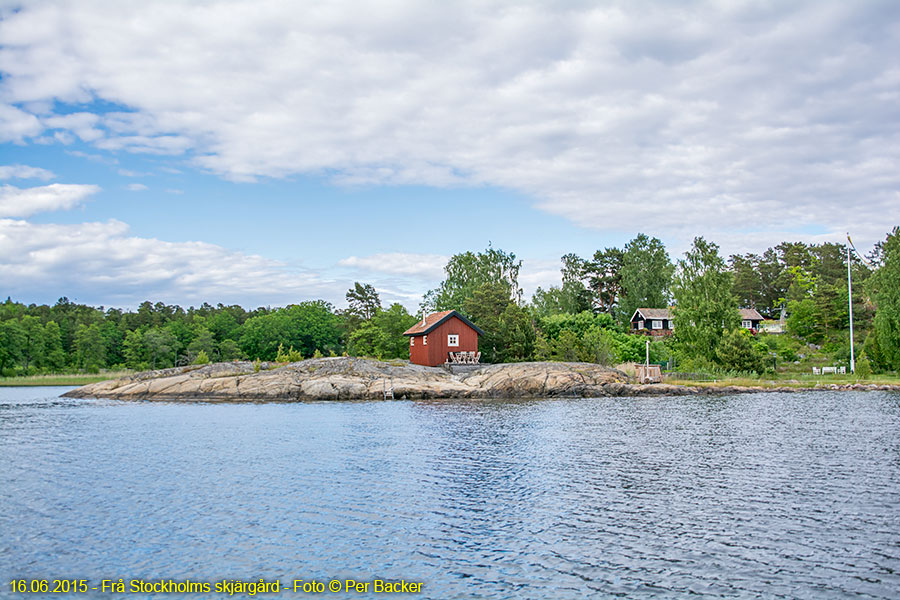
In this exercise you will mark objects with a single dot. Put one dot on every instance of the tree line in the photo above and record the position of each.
(586, 318)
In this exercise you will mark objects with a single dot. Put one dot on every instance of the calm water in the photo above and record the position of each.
(770, 495)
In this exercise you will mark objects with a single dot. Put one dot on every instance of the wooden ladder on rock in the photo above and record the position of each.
(387, 391)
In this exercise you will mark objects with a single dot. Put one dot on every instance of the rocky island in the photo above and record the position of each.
(344, 378)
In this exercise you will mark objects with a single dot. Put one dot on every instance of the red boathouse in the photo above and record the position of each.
(434, 337)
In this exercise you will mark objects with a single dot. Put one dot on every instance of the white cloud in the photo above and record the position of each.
(130, 173)
(423, 266)
(136, 187)
(97, 158)
(82, 124)
(16, 125)
(22, 202)
(770, 117)
(102, 263)
(24, 172)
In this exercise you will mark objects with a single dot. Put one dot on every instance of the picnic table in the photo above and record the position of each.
(464, 358)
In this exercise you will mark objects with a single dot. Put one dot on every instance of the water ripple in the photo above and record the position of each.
(755, 496)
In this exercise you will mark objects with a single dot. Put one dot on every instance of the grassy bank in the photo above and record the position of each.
(61, 379)
(792, 380)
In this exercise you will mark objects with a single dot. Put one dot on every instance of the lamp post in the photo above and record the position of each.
(850, 304)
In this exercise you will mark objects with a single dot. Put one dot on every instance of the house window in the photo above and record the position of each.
(640, 325)
(657, 324)
(424, 340)
(412, 341)
(671, 324)
(747, 324)
(453, 340)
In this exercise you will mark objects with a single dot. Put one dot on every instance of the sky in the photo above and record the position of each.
(264, 153)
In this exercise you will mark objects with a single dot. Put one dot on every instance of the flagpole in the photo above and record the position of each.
(850, 304)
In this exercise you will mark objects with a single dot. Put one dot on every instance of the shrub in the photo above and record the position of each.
(863, 368)
(738, 351)
(783, 345)
(697, 364)
(872, 350)
(290, 356)
(202, 358)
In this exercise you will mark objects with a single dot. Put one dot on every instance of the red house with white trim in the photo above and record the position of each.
(431, 339)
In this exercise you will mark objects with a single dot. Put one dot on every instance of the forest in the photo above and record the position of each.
(586, 318)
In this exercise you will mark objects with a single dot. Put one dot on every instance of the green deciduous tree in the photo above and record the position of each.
(382, 335)
(262, 335)
(308, 326)
(576, 296)
(509, 333)
(589, 337)
(572, 297)
(468, 271)
(161, 347)
(134, 351)
(54, 357)
(33, 349)
(223, 325)
(12, 344)
(646, 276)
(90, 347)
(704, 304)
(229, 350)
(203, 342)
(805, 320)
(885, 284)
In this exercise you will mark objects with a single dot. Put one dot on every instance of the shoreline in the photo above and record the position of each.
(344, 378)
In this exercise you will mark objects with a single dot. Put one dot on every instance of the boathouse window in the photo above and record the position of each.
(453, 340)
(747, 324)
(424, 340)
(412, 341)
(657, 324)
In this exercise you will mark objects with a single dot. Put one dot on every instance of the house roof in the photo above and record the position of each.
(652, 313)
(750, 314)
(663, 313)
(435, 319)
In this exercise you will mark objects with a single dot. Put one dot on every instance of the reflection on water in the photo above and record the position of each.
(770, 495)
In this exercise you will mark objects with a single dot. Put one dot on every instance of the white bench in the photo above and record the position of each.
(830, 371)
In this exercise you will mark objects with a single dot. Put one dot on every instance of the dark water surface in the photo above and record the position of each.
(769, 495)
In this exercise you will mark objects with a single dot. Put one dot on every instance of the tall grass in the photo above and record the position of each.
(61, 379)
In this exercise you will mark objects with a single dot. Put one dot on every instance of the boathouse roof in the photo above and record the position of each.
(434, 319)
